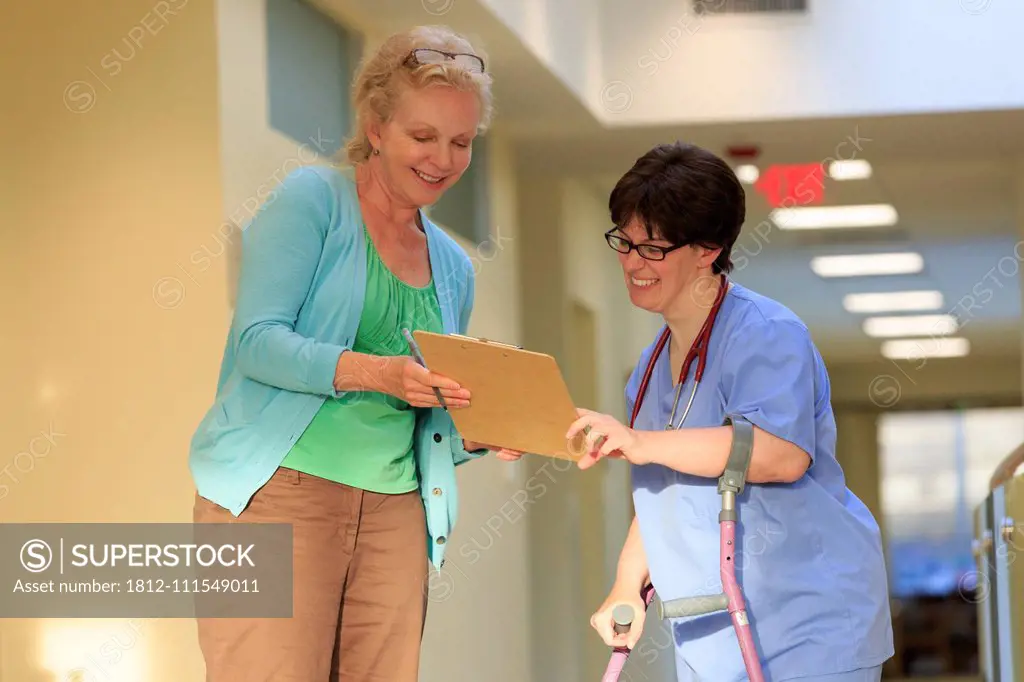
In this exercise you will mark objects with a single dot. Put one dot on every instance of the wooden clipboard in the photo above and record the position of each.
(518, 398)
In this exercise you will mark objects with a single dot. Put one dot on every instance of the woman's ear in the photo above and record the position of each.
(709, 256)
(373, 134)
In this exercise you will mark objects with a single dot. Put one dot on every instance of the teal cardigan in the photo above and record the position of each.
(300, 297)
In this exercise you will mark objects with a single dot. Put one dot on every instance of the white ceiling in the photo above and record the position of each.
(956, 179)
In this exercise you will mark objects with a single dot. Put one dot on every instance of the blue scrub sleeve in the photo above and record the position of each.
(768, 377)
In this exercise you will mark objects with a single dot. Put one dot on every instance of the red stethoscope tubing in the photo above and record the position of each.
(698, 351)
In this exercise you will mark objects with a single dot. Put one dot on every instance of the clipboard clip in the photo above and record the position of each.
(482, 340)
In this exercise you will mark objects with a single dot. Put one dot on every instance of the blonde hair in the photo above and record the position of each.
(381, 77)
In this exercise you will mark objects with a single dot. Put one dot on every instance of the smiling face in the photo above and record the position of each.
(687, 195)
(426, 145)
(662, 286)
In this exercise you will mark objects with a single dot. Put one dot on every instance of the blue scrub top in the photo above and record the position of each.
(809, 557)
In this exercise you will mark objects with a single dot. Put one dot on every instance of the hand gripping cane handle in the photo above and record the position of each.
(623, 616)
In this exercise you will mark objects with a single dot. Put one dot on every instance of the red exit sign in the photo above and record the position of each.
(792, 185)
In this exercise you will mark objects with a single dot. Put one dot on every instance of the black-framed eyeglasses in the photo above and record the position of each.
(426, 55)
(646, 251)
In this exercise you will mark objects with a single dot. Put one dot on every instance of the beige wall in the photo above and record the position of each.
(117, 183)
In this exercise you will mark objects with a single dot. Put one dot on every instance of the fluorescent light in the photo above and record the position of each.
(893, 301)
(868, 264)
(849, 169)
(916, 349)
(910, 325)
(832, 217)
(747, 173)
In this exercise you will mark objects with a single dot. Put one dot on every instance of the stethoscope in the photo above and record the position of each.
(698, 351)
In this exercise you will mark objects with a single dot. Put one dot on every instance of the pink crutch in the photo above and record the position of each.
(730, 485)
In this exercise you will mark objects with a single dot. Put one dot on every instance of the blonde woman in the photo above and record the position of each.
(322, 419)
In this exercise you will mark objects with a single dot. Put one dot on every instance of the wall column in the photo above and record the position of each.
(858, 454)
(553, 517)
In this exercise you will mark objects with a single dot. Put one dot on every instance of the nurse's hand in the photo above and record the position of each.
(604, 622)
(606, 436)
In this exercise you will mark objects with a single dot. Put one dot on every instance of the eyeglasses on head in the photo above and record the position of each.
(427, 55)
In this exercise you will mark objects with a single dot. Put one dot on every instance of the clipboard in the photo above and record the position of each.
(519, 398)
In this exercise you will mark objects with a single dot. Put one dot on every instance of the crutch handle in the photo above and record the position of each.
(693, 606)
(622, 615)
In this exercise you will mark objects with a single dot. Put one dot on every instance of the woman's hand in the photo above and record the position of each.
(508, 455)
(606, 437)
(501, 453)
(604, 622)
(410, 381)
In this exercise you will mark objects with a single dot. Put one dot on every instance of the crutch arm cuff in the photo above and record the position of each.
(734, 478)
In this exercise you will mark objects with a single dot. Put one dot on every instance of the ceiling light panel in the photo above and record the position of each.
(849, 169)
(835, 217)
(910, 325)
(868, 264)
(917, 349)
(893, 301)
(747, 174)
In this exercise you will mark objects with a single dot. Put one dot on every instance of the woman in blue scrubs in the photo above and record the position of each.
(809, 553)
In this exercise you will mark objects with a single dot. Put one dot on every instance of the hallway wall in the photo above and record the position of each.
(114, 146)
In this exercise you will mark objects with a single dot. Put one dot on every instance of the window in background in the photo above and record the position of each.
(311, 60)
(935, 468)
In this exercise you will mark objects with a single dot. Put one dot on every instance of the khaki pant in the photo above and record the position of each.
(359, 590)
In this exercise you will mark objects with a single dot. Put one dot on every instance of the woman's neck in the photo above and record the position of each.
(380, 201)
(690, 310)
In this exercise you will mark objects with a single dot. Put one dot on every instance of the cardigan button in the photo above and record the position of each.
(440, 540)
(437, 492)
(437, 437)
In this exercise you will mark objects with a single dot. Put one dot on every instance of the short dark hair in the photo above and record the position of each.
(685, 194)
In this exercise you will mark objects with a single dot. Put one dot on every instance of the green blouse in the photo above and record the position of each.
(376, 452)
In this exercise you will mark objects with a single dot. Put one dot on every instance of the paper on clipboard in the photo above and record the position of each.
(518, 398)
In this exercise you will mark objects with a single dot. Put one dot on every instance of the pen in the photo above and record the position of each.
(423, 363)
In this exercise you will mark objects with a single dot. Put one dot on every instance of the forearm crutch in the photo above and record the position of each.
(730, 485)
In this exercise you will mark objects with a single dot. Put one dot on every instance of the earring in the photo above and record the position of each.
(376, 152)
